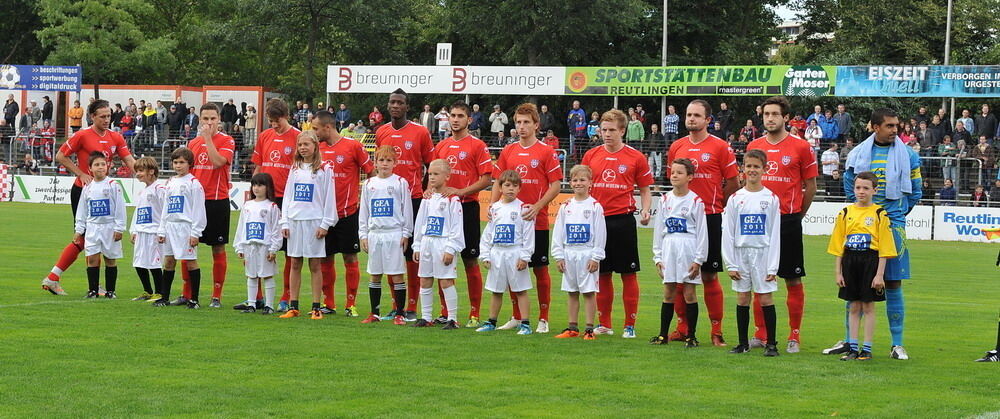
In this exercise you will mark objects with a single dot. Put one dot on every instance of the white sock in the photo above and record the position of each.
(426, 303)
(268, 292)
(252, 286)
(451, 300)
(57, 271)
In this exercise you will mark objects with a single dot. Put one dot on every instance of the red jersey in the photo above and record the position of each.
(86, 141)
(789, 163)
(538, 167)
(414, 149)
(215, 180)
(346, 158)
(274, 155)
(714, 162)
(615, 177)
(468, 159)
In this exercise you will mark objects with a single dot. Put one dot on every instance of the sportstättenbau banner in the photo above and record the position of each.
(763, 80)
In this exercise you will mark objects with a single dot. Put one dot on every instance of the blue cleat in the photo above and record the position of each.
(282, 306)
(524, 329)
(487, 327)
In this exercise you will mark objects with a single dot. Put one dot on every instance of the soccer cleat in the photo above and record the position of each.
(110, 295)
(589, 335)
(850, 355)
(487, 327)
(193, 304)
(143, 297)
(422, 323)
(53, 287)
(316, 314)
(289, 314)
(242, 306)
(327, 310)
(840, 347)
(216, 303)
(756, 343)
(629, 332)
(793, 347)
(990, 356)
(691, 343)
(601, 330)
(179, 301)
(864, 356)
(441, 320)
(250, 309)
(658, 340)
(473, 322)
(259, 304)
(351, 311)
(161, 303)
(282, 306)
(154, 298)
(450, 325)
(410, 316)
(510, 325)
(399, 320)
(568, 333)
(676, 336)
(101, 291)
(543, 326)
(717, 340)
(899, 352)
(390, 316)
(371, 319)
(267, 310)
(771, 350)
(740, 349)
(91, 294)
(524, 329)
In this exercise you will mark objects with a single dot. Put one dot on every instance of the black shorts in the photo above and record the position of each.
(541, 255)
(74, 198)
(791, 261)
(471, 227)
(622, 248)
(713, 263)
(217, 222)
(408, 252)
(278, 200)
(859, 269)
(343, 237)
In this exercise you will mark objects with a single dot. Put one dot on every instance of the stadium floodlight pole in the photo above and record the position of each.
(947, 59)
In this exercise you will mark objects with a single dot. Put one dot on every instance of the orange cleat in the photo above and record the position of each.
(289, 314)
(568, 333)
(399, 321)
(589, 335)
(371, 319)
(316, 315)
(717, 340)
(676, 336)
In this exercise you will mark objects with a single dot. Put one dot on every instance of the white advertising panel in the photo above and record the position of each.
(446, 79)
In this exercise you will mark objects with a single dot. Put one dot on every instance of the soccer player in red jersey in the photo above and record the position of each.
(414, 150)
(98, 137)
(618, 169)
(791, 174)
(715, 178)
(273, 154)
(471, 166)
(348, 159)
(540, 171)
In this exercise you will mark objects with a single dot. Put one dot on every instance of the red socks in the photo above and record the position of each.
(352, 276)
(544, 285)
(714, 303)
(219, 264)
(680, 310)
(288, 271)
(517, 309)
(66, 259)
(630, 296)
(186, 276)
(412, 285)
(474, 278)
(796, 306)
(605, 298)
(758, 320)
(329, 278)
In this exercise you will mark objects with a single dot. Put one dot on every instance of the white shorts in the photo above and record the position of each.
(577, 278)
(255, 261)
(503, 272)
(678, 255)
(431, 264)
(100, 238)
(753, 270)
(385, 253)
(147, 252)
(177, 239)
(302, 241)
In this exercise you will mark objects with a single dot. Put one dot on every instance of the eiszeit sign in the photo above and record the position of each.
(919, 81)
(446, 79)
(41, 77)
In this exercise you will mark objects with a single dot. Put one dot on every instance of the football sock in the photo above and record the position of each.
(168, 280)
(293, 305)
(605, 299)
(691, 310)
(743, 323)
(329, 280)
(287, 272)
(451, 299)
(998, 337)
(219, 266)
(157, 280)
(894, 310)
(195, 283)
(474, 278)
(93, 278)
(515, 307)
(544, 284)
(269, 285)
(492, 321)
(680, 310)
(426, 303)
(253, 287)
(144, 279)
(186, 278)
(760, 329)
(714, 304)
(526, 321)
(111, 277)
(444, 302)
(771, 320)
(847, 321)
(399, 296)
(66, 259)
(375, 296)
(796, 303)
(574, 327)
(867, 346)
(666, 316)
(853, 344)
(315, 306)
(412, 285)
(630, 297)
(352, 277)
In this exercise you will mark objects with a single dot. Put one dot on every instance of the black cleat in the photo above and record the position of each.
(161, 303)
(691, 343)
(740, 349)
(91, 294)
(267, 311)
(864, 356)
(110, 295)
(658, 340)
(441, 320)
(193, 304)
(410, 316)
(991, 356)
(770, 350)
(451, 325)
(241, 306)
(180, 301)
(850, 356)
(843, 348)
(326, 310)
(250, 309)
(422, 323)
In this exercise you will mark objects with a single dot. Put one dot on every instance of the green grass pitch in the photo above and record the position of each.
(63, 356)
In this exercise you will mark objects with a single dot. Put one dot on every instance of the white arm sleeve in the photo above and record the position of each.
(658, 231)
(559, 235)
(600, 233)
(80, 226)
(118, 204)
(701, 232)
(407, 207)
(198, 216)
(528, 241)
(418, 229)
(486, 241)
(240, 239)
(363, 212)
(329, 201)
(456, 234)
(729, 216)
(774, 249)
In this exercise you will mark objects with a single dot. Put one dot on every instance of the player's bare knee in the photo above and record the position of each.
(743, 299)
(446, 283)
(192, 265)
(110, 262)
(426, 282)
(765, 299)
(793, 282)
(94, 261)
(690, 296)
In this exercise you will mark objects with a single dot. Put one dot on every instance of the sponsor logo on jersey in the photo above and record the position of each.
(504, 233)
(255, 230)
(435, 226)
(303, 192)
(100, 207)
(753, 224)
(675, 225)
(381, 207)
(860, 241)
(144, 215)
(577, 233)
(175, 204)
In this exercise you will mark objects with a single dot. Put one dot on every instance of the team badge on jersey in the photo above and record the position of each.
(705, 157)
(340, 159)
(587, 213)
(764, 205)
(869, 221)
(392, 189)
(534, 163)
(288, 150)
(622, 168)
(462, 155)
(408, 145)
(786, 160)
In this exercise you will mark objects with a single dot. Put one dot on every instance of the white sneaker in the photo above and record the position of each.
(601, 330)
(756, 343)
(543, 326)
(53, 287)
(898, 352)
(835, 349)
(793, 347)
(510, 325)
(629, 332)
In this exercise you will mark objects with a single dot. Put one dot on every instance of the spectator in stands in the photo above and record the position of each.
(175, 121)
(655, 148)
(161, 122)
(816, 115)
(846, 149)
(512, 138)
(427, 119)
(979, 197)
(24, 122)
(375, 118)
(594, 125)
(758, 120)
(829, 127)
(921, 115)
(190, 123)
(182, 108)
(75, 116)
(797, 126)
(813, 135)
(116, 117)
(228, 115)
(844, 121)
(546, 121)
(46, 109)
(35, 113)
(241, 119)
(947, 150)
(443, 125)
(130, 106)
(476, 121)
(986, 123)
(987, 155)
(576, 122)
(942, 116)
(948, 195)
(498, 120)
(831, 162)
(343, 116)
(915, 145)
(967, 121)
(836, 187)
(926, 138)
(302, 115)
(749, 131)
(634, 132)
(251, 127)
(961, 132)
(640, 113)
(29, 164)
(359, 129)
(10, 111)
(246, 171)
(501, 140)
(671, 130)
(995, 189)
(550, 139)
(716, 129)
(938, 128)
(725, 119)
(907, 135)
